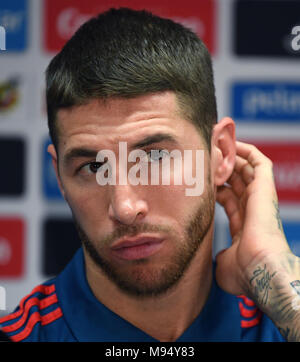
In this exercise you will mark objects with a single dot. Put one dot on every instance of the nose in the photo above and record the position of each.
(126, 206)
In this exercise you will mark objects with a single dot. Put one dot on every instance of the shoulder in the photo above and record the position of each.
(37, 318)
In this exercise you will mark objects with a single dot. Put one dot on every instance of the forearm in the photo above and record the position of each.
(274, 285)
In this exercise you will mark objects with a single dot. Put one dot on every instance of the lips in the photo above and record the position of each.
(137, 247)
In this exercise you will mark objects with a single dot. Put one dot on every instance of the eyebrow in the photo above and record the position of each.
(156, 138)
(79, 152)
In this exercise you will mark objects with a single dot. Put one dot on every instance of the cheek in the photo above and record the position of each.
(181, 201)
(171, 201)
(87, 205)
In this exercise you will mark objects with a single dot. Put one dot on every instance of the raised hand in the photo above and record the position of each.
(251, 204)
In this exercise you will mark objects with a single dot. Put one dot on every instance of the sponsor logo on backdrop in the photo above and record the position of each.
(69, 20)
(265, 101)
(9, 94)
(11, 247)
(192, 22)
(62, 19)
(55, 254)
(12, 180)
(13, 18)
(5, 251)
(286, 168)
(295, 42)
(275, 33)
(17, 98)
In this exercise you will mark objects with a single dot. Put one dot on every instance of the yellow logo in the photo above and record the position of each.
(9, 94)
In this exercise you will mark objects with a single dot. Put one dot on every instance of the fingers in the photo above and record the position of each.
(252, 178)
(252, 174)
(231, 204)
(244, 169)
(255, 158)
(251, 154)
(261, 190)
(259, 167)
(241, 176)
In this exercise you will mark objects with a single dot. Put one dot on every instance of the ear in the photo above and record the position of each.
(51, 149)
(223, 150)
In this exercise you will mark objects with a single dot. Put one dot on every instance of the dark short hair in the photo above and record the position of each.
(127, 53)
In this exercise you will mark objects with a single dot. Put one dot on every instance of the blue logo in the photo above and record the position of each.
(266, 102)
(50, 187)
(14, 19)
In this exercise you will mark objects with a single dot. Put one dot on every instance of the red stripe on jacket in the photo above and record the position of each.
(247, 313)
(253, 313)
(252, 322)
(44, 289)
(44, 303)
(248, 302)
(33, 320)
(25, 305)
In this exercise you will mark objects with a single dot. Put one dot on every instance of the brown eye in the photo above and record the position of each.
(90, 168)
(94, 166)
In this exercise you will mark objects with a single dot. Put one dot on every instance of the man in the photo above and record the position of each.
(145, 271)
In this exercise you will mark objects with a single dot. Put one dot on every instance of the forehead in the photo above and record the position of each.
(107, 122)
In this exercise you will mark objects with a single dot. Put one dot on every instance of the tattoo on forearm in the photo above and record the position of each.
(261, 280)
(291, 335)
(277, 215)
(284, 332)
(283, 308)
(277, 293)
(296, 299)
(296, 285)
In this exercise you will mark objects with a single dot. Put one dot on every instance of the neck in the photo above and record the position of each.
(163, 317)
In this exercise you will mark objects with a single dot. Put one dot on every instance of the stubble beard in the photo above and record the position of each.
(141, 279)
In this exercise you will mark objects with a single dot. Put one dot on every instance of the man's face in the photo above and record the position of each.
(142, 237)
